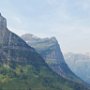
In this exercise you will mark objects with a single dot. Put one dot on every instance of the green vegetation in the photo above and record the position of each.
(21, 68)
(27, 77)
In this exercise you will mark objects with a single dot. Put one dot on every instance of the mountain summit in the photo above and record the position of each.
(13, 48)
(50, 50)
(3, 26)
(22, 68)
(3, 22)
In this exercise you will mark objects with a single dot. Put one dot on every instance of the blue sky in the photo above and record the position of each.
(67, 20)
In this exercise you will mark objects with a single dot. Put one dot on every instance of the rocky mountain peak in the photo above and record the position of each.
(3, 22)
(53, 38)
(32, 39)
(3, 29)
(50, 50)
(7, 38)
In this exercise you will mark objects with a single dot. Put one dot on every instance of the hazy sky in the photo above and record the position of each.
(67, 20)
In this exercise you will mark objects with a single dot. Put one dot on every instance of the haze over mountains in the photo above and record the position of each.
(22, 68)
(50, 50)
(79, 64)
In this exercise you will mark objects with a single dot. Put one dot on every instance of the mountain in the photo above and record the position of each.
(80, 65)
(22, 68)
(50, 50)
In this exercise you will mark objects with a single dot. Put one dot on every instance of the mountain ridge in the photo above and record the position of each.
(50, 50)
(82, 64)
(22, 68)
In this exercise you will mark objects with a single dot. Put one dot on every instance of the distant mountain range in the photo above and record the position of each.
(79, 64)
(22, 68)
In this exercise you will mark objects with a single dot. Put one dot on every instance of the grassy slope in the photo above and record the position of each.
(28, 77)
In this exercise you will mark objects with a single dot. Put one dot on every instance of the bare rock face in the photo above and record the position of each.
(7, 37)
(3, 22)
(13, 48)
(3, 26)
(16, 55)
(50, 50)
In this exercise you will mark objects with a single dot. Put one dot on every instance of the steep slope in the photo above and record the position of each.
(50, 50)
(80, 64)
(22, 68)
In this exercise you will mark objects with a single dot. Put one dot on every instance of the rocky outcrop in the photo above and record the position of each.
(13, 48)
(3, 22)
(3, 26)
(50, 50)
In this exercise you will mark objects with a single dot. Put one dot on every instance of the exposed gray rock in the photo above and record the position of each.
(13, 48)
(3, 22)
(50, 50)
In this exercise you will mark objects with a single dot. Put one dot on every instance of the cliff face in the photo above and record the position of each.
(3, 22)
(3, 27)
(22, 68)
(50, 50)
(14, 49)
